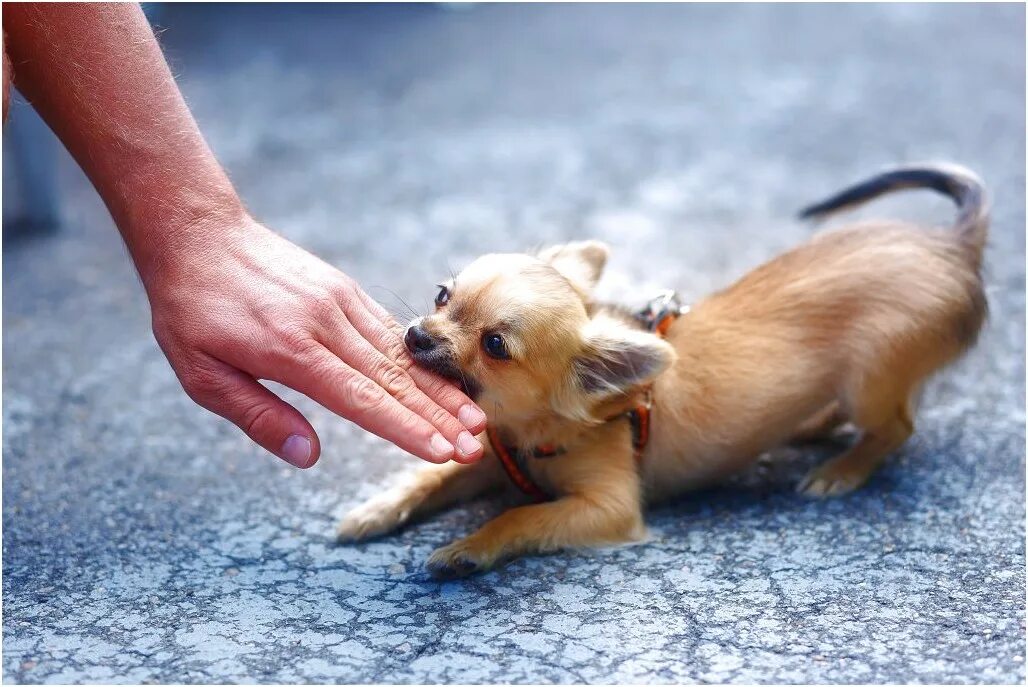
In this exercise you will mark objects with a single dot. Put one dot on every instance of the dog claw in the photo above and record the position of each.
(821, 486)
(451, 569)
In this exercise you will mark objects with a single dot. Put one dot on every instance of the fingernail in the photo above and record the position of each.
(470, 416)
(296, 450)
(467, 444)
(441, 447)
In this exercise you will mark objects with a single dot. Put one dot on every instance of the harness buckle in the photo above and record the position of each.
(661, 310)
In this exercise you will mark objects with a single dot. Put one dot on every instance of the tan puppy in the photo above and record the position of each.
(844, 328)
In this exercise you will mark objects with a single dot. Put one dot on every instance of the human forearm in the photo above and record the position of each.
(97, 76)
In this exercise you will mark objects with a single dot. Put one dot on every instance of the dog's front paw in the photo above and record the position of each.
(459, 559)
(372, 519)
(834, 478)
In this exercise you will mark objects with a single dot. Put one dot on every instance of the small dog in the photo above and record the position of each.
(594, 414)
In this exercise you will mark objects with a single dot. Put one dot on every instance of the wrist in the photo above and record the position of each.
(183, 227)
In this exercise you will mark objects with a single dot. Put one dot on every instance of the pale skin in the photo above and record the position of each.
(232, 302)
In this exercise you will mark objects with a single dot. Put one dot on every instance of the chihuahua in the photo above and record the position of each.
(594, 415)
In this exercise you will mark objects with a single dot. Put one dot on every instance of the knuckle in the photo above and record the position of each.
(412, 425)
(345, 290)
(439, 417)
(441, 389)
(395, 380)
(257, 420)
(362, 393)
(202, 384)
(297, 339)
(396, 351)
(322, 306)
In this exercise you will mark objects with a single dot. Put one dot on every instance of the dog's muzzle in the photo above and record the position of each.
(436, 356)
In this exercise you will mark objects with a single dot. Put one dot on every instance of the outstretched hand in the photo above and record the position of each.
(245, 304)
(233, 303)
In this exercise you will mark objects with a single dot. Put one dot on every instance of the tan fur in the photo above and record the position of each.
(845, 327)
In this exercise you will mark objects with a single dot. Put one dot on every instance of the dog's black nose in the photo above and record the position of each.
(418, 340)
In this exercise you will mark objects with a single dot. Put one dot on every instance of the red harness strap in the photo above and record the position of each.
(639, 418)
(511, 458)
(510, 464)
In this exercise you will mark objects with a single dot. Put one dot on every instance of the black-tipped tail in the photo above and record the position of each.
(958, 183)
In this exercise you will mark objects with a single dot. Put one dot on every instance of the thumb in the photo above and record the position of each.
(268, 420)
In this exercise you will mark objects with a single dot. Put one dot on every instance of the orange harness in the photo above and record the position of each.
(657, 317)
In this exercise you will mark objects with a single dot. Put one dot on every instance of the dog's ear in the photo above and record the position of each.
(617, 358)
(581, 262)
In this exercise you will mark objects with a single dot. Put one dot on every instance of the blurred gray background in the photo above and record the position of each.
(146, 540)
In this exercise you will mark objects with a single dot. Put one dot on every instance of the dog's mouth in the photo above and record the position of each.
(444, 365)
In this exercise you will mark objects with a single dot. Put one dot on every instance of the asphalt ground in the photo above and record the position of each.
(147, 541)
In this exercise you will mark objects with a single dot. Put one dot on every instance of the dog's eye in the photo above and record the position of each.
(443, 297)
(495, 347)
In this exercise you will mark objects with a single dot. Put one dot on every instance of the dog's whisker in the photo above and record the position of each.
(413, 313)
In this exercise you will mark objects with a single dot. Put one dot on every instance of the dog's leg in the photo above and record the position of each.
(429, 489)
(821, 425)
(886, 417)
(610, 513)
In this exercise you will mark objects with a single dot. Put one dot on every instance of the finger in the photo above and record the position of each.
(379, 312)
(354, 350)
(268, 420)
(379, 327)
(323, 377)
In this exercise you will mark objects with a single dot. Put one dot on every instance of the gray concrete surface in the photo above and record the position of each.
(145, 540)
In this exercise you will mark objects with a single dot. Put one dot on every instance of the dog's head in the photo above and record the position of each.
(516, 332)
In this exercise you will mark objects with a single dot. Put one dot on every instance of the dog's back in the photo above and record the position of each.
(854, 319)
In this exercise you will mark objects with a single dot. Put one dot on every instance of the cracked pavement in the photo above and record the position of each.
(147, 541)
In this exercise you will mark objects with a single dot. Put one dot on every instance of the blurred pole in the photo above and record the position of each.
(31, 198)
(31, 192)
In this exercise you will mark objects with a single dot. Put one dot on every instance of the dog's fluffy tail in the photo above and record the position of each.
(954, 181)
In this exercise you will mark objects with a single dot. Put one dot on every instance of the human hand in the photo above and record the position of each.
(233, 303)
